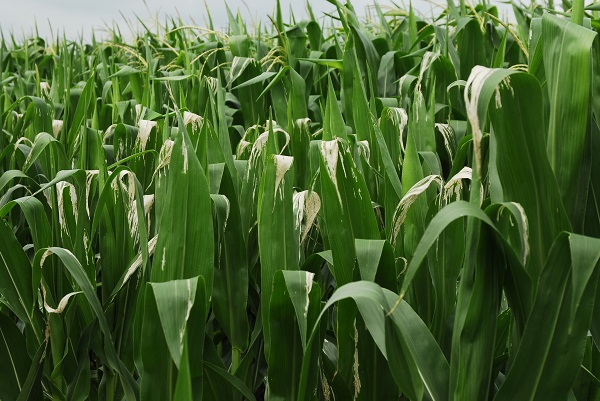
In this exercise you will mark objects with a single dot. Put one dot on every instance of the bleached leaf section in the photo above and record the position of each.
(475, 83)
(330, 152)
(65, 300)
(192, 119)
(164, 156)
(282, 166)
(355, 366)
(364, 150)
(408, 199)
(145, 128)
(309, 283)
(184, 153)
(89, 177)
(57, 126)
(523, 224)
(453, 188)
(61, 186)
(426, 62)
(242, 146)
(306, 207)
(138, 260)
(45, 88)
(62, 305)
(399, 118)
(448, 136)
(129, 188)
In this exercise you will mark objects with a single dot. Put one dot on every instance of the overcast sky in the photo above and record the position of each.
(77, 16)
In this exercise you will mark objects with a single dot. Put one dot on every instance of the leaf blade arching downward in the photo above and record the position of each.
(516, 116)
(75, 269)
(552, 346)
(374, 303)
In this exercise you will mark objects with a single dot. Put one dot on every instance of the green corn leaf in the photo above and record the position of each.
(569, 99)
(230, 288)
(375, 260)
(32, 389)
(235, 382)
(430, 366)
(532, 184)
(14, 352)
(184, 250)
(477, 305)
(333, 126)
(75, 270)
(559, 319)
(293, 308)
(16, 277)
(278, 243)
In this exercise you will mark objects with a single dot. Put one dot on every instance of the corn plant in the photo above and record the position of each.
(389, 208)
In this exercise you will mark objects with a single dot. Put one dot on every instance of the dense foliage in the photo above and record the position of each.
(328, 209)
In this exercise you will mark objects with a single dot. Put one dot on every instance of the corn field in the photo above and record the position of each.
(335, 208)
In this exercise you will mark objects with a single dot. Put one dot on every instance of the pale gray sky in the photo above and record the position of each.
(77, 16)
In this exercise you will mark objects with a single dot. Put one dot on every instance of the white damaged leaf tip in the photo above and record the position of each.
(89, 176)
(62, 305)
(60, 187)
(408, 199)
(57, 126)
(138, 111)
(148, 202)
(238, 65)
(401, 84)
(399, 118)
(306, 208)
(453, 188)
(475, 83)
(309, 281)
(303, 123)
(45, 88)
(498, 99)
(312, 206)
(190, 303)
(523, 226)
(184, 152)
(46, 253)
(130, 190)
(192, 119)
(138, 260)
(282, 165)
(428, 59)
(330, 154)
(308, 288)
(242, 145)
(145, 128)
(448, 136)
(211, 83)
(164, 156)
(364, 150)
(260, 143)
